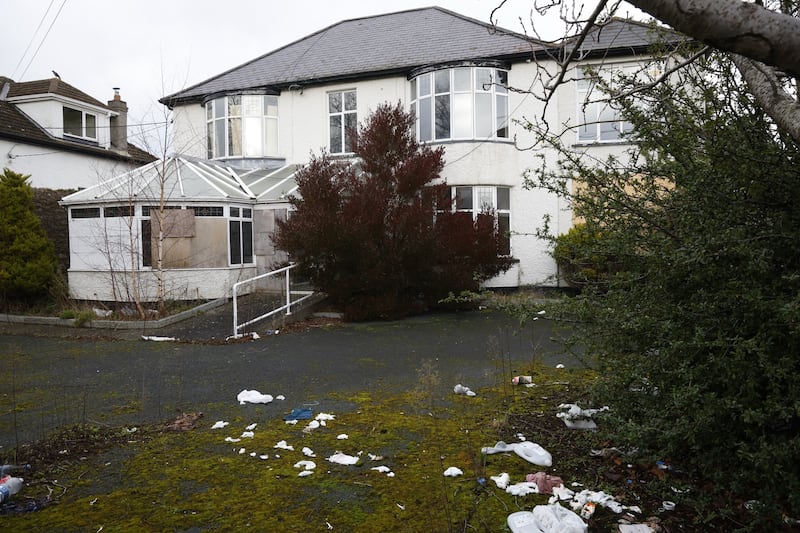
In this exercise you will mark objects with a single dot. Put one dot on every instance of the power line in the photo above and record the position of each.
(33, 37)
(43, 38)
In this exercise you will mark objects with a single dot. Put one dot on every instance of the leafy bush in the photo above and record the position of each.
(28, 267)
(582, 257)
(378, 234)
(697, 334)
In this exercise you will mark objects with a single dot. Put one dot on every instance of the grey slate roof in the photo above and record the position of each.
(621, 36)
(370, 46)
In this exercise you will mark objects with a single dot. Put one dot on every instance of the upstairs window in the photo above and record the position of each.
(78, 123)
(461, 103)
(598, 120)
(342, 121)
(242, 125)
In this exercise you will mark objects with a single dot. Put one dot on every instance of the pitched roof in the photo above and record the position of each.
(369, 46)
(187, 179)
(17, 126)
(623, 36)
(52, 86)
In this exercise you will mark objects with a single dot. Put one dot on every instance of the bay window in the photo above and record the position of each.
(479, 199)
(242, 125)
(461, 103)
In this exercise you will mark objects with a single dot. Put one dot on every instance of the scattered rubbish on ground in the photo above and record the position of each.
(453, 471)
(635, 528)
(530, 451)
(501, 481)
(307, 466)
(522, 489)
(667, 505)
(253, 396)
(523, 380)
(544, 481)
(560, 366)
(579, 500)
(343, 459)
(461, 389)
(9, 486)
(155, 338)
(299, 413)
(219, 424)
(282, 445)
(576, 418)
(342, 436)
(546, 519)
(308, 452)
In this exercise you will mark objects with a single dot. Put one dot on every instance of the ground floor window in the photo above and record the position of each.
(477, 199)
(240, 224)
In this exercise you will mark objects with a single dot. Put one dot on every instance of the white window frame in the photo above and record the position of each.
(425, 96)
(598, 122)
(85, 127)
(348, 118)
(240, 216)
(219, 120)
(489, 194)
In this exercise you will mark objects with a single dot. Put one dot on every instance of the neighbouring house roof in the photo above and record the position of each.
(17, 126)
(624, 37)
(367, 47)
(186, 179)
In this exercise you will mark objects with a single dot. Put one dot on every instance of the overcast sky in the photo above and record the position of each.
(151, 48)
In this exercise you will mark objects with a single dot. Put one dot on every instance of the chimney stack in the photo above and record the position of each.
(119, 124)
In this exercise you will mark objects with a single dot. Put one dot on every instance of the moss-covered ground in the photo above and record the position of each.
(156, 479)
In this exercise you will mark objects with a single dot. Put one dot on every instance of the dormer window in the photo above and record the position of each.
(78, 123)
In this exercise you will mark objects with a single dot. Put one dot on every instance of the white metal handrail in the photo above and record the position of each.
(285, 307)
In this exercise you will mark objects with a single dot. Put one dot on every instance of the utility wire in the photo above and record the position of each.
(43, 38)
(33, 37)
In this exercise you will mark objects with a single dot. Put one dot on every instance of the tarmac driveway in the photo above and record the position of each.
(49, 381)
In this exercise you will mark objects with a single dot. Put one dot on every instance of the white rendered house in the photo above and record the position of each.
(460, 77)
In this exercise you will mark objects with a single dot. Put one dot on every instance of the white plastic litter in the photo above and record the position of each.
(635, 528)
(219, 424)
(461, 389)
(158, 339)
(578, 500)
(559, 366)
(522, 522)
(251, 427)
(253, 396)
(453, 471)
(308, 452)
(343, 459)
(307, 465)
(522, 489)
(248, 435)
(556, 519)
(342, 436)
(282, 445)
(324, 416)
(231, 439)
(242, 451)
(576, 418)
(530, 451)
(305, 473)
(382, 469)
(311, 426)
(501, 481)
(280, 397)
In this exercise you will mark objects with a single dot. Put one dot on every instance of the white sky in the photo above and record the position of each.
(153, 48)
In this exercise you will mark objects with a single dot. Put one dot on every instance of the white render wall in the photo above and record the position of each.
(303, 130)
(52, 168)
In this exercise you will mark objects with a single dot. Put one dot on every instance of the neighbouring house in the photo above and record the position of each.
(468, 83)
(62, 137)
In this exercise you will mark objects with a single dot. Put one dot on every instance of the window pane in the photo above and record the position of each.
(271, 106)
(235, 242)
(234, 211)
(251, 105)
(147, 245)
(483, 79)
(462, 115)
(247, 242)
(504, 228)
(485, 197)
(210, 110)
(253, 133)
(210, 141)
(443, 117)
(247, 212)
(73, 122)
(234, 106)
(234, 136)
(220, 145)
(91, 126)
(350, 125)
(608, 120)
(336, 134)
(464, 198)
(425, 119)
(414, 89)
(484, 123)
(350, 101)
(334, 102)
(501, 80)
(503, 198)
(425, 85)
(219, 107)
(462, 79)
(442, 81)
(85, 212)
(271, 126)
(502, 115)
